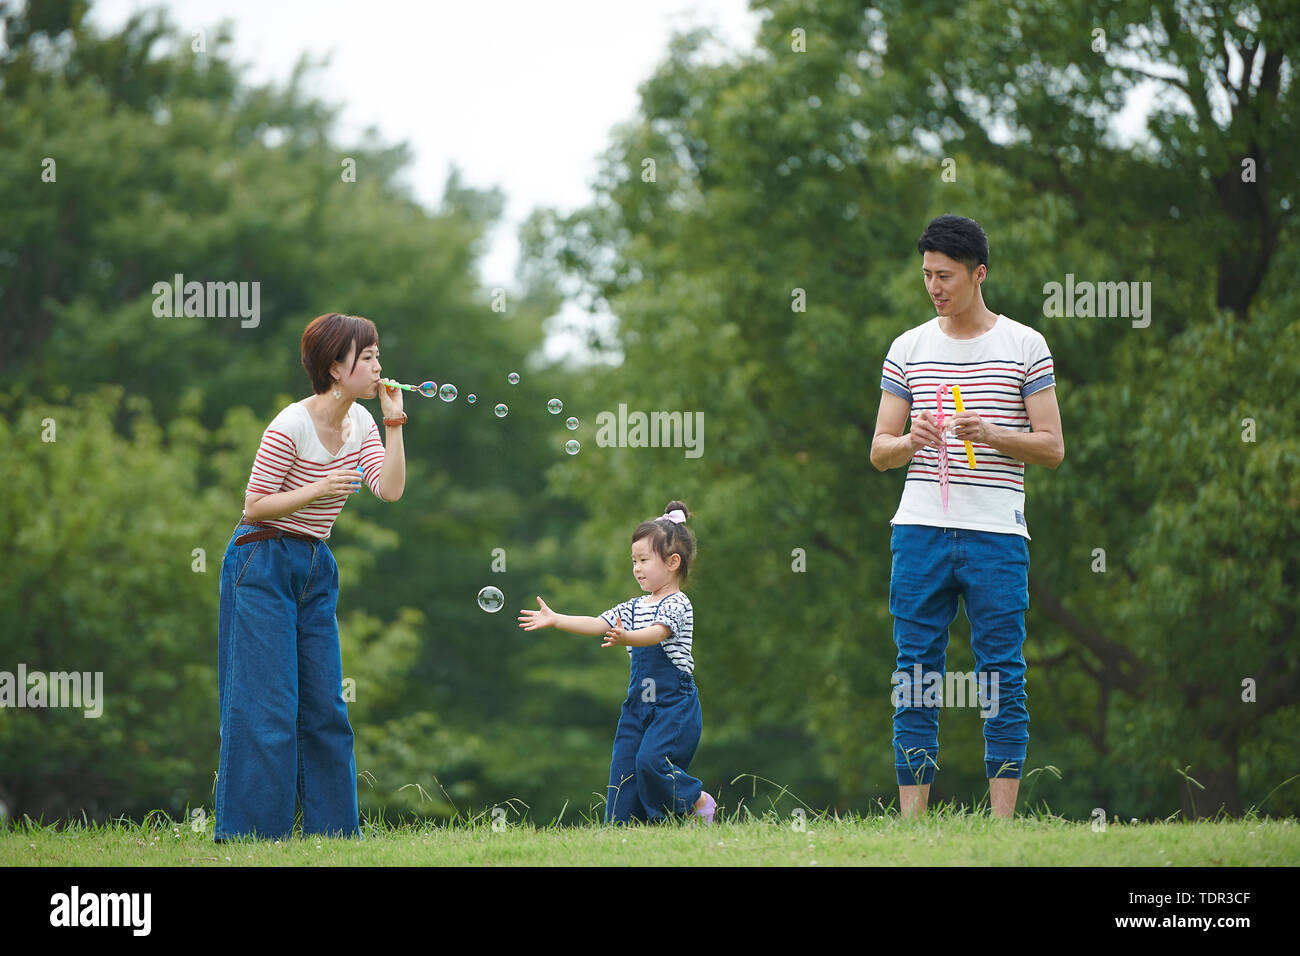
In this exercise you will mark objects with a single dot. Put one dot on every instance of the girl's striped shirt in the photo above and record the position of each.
(291, 455)
(996, 371)
(673, 611)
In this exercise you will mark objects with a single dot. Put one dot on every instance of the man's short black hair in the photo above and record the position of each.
(957, 238)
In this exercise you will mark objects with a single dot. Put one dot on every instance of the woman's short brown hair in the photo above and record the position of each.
(326, 340)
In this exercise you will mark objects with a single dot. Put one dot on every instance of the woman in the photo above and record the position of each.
(284, 722)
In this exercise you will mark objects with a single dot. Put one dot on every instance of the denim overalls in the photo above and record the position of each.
(658, 731)
(284, 722)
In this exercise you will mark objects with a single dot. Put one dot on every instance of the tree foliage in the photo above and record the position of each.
(810, 166)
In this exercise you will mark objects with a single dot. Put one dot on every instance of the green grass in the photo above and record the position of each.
(946, 836)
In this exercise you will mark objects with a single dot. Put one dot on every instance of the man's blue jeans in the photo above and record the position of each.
(931, 567)
(284, 722)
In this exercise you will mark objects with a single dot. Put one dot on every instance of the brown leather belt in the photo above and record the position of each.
(269, 532)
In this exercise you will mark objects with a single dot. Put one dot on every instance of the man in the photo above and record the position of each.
(978, 547)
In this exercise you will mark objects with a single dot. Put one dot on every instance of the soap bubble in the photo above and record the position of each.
(555, 406)
(513, 378)
(429, 389)
(571, 423)
(471, 398)
(447, 393)
(501, 411)
(572, 446)
(491, 599)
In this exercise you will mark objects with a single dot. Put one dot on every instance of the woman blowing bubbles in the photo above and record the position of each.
(284, 722)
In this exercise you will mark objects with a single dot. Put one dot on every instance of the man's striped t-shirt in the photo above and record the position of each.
(673, 611)
(291, 455)
(996, 371)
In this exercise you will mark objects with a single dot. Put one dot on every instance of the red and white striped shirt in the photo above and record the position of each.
(291, 455)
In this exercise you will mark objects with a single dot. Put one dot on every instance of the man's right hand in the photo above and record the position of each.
(925, 432)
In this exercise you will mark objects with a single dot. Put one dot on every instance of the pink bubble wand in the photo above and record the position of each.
(943, 448)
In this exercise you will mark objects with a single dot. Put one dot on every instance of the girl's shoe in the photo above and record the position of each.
(710, 805)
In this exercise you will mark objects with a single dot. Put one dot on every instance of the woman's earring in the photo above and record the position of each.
(337, 393)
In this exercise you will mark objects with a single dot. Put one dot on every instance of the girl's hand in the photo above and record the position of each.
(537, 619)
(390, 400)
(616, 637)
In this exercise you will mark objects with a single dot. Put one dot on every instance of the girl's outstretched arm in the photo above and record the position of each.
(533, 620)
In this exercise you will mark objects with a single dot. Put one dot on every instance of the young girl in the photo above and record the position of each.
(659, 727)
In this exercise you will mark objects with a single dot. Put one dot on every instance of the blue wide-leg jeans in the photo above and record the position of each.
(284, 720)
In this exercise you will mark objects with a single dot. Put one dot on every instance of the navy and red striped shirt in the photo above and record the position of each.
(997, 371)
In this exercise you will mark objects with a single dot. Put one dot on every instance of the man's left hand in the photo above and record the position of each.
(968, 426)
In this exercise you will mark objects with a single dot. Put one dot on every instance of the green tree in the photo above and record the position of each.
(812, 164)
(165, 163)
(98, 581)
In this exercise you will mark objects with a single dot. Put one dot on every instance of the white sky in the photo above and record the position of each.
(519, 94)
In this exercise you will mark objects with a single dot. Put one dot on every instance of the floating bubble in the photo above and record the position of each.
(572, 446)
(428, 389)
(513, 378)
(570, 423)
(555, 406)
(491, 599)
(471, 398)
(501, 411)
(447, 393)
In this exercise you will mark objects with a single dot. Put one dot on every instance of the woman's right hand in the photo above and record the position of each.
(537, 619)
(925, 431)
(343, 481)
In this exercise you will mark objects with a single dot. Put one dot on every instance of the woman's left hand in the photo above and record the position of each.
(390, 400)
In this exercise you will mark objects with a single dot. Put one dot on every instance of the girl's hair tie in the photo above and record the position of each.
(676, 516)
